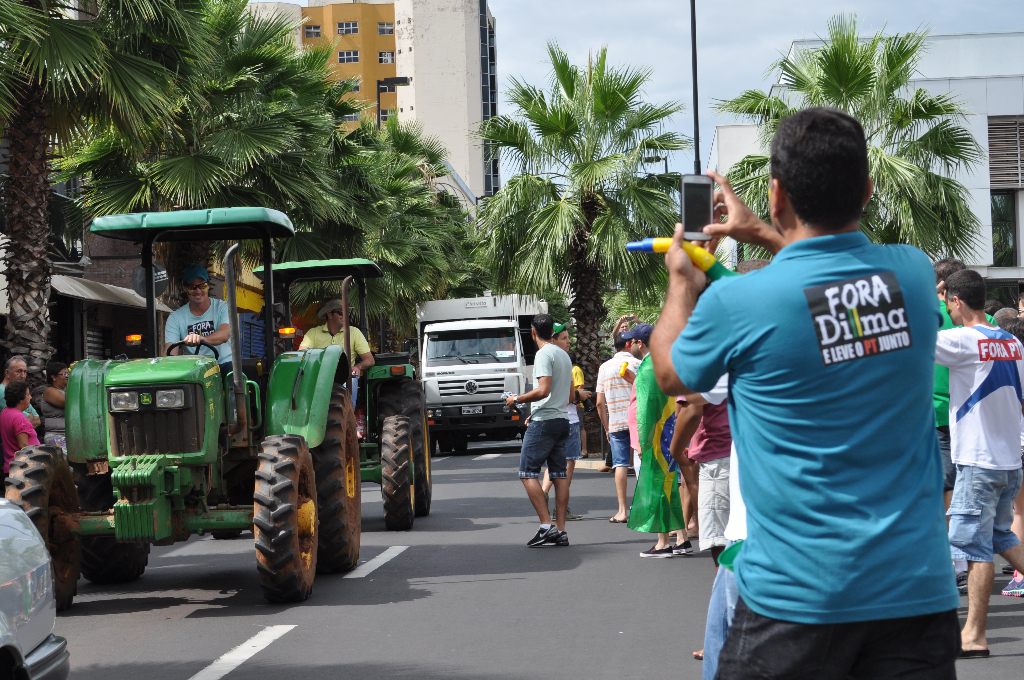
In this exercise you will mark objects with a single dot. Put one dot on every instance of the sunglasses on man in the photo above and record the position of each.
(198, 286)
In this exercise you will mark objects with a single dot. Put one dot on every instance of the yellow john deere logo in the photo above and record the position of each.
(147, 399)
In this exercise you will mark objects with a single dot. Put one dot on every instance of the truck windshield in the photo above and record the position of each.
(493, 345)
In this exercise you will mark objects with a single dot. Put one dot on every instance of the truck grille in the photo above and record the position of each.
(457, 387)
(156, 432)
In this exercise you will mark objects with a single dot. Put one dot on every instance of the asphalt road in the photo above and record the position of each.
(465, 599)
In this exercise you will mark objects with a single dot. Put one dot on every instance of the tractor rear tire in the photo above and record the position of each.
(285, 523)
(405, 398)
(338, 487)
(396, 478)
(41, 483)
(104, 560)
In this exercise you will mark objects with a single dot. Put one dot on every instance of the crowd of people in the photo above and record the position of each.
(20, 422)
(873, 400)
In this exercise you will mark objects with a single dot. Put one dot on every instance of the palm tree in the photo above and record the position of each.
(580, 191)
(114, 65)
(257, 124)
(916, 140)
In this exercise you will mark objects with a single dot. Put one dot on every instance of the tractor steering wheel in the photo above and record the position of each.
(202, 343)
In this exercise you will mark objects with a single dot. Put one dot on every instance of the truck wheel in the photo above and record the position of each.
(396, 483)
(405, 398)
(104, 560)
(285, 523)
(41, 483)
(338, 495)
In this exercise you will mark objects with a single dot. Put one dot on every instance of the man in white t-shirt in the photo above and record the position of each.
(986, 374)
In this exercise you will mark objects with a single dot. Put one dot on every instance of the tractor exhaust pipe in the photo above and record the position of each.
(240, 423)
(344, 310)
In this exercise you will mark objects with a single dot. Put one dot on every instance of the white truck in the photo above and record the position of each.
(471, 351)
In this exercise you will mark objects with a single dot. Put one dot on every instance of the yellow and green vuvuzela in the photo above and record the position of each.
(704, 260)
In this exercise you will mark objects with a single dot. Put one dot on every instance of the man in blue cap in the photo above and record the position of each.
(203, 319)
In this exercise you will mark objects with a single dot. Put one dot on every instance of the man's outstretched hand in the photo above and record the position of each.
(741, 223)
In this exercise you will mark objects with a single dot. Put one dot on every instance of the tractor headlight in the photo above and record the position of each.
(124, 401)
(170, 398)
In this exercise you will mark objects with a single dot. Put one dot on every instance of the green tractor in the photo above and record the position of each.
(390, 411)
(164, 447)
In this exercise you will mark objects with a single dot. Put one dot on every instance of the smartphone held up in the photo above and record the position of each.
(696, 206)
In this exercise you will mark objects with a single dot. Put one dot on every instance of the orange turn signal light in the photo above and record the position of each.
(397, 370)
(286, 332)
(133, 340)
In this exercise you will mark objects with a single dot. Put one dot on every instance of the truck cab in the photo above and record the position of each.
(472, 351)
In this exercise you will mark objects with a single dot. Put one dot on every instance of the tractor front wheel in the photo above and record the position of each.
(396, 477)
(405, 398)
(104, 560)
(41, 483)
(338, 484)
(286, 519)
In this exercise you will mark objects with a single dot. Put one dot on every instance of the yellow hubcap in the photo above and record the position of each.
(307, 518)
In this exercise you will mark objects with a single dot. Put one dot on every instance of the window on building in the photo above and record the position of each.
(348, 57)
(312, 31)
(384, 116)
(355, 88)
(386, 57)
(348, 27)
(387, 88)
(1004, 229)
(387, 28)
(1006, 152)
(350, 117)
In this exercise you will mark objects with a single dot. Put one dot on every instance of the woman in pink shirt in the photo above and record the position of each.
(15, 431)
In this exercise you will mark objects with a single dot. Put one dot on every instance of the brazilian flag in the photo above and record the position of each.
(656, 505)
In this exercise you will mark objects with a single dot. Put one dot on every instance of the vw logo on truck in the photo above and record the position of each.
(471, 387)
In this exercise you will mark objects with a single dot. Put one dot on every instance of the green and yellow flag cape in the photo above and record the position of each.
(656, 504)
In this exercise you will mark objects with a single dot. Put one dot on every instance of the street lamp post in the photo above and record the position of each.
(696, 126)
(389, 82)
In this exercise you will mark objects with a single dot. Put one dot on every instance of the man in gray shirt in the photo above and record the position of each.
(547, 433)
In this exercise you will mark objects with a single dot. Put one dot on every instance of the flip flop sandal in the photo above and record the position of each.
(618, 521)
(698, 656)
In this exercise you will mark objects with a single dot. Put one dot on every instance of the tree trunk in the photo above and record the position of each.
(28, 231)
(587, 285)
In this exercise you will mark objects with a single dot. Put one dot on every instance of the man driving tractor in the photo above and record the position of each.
(203, 319)
(331, 334)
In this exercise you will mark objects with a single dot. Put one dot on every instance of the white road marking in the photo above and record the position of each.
(487, 456)
(242, 653)
(386, 556)
(438, 460)
(211, 547)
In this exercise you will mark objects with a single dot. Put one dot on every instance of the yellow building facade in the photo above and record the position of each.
(364, 35)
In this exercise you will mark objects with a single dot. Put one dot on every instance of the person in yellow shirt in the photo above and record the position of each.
(331, 333)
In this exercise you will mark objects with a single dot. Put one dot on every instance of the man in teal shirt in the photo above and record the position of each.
(846, 569)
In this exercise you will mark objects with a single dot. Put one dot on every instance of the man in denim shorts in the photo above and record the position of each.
(548, 433)
(613, 393)
(986, 372)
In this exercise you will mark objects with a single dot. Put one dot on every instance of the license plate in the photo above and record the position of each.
(472, 410)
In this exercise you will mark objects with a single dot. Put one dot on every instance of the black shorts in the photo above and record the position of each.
(912, 648)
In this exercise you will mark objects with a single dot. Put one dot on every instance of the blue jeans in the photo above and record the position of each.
(945, 450)
(981, 512)
(544, 442)
(622, 453)
(574, 447)
(355, 390)
(721, 610)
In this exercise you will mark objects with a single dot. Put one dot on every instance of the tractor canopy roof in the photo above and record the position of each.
(216, 224)
(323, 270)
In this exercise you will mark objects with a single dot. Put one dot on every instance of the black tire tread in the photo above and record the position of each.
(340, 516)
(278, 561)
(405, 398)
(40, 477)
(396, 487)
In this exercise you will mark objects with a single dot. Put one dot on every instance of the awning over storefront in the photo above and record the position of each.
(101, 292)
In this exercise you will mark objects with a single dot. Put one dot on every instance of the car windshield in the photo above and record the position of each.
(493, 345)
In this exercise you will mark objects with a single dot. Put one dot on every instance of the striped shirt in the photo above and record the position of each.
(616, 390)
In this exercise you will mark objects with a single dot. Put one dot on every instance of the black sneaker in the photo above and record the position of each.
(652, 552)
(683, 548)
(1008, 569)
(562, 539)
(543, 536)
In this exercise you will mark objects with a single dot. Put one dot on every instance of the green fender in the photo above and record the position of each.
(311, 390)
(86, 410)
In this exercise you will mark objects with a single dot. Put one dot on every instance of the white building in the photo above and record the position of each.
(986, 72)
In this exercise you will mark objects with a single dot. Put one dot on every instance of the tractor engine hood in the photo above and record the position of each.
(163, 370)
